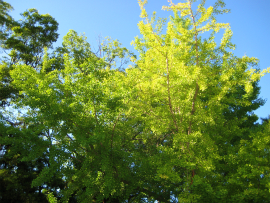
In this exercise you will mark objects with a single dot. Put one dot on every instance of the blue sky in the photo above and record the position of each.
(249, 20)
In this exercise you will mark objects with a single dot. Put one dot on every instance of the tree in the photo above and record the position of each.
(77, 112)
(185, 89)
(30, 36)
(6, 21)
(27, 40)
(176, 126)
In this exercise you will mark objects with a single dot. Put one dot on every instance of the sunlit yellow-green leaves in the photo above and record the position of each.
(181, 85)
(177, 122)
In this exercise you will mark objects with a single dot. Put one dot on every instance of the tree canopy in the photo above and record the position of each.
(173, 124)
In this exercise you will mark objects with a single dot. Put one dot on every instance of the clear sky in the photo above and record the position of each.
(249, 20)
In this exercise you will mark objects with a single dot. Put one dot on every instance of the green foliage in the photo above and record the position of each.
(30, 36)
(27, 40)
(195, 99)
(6, 21)
(50, 197)
(176, 126)
(76, 110)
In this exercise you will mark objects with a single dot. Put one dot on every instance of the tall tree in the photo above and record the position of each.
(79, 109)
(186, 90)
(173, 127)
(24, 42)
